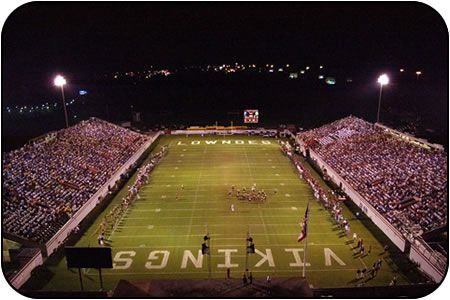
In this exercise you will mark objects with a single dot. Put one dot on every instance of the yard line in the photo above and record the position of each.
(158, 226)
(196, 246)
(213, 201)
(260, 214)
(230, 238)
(155, 197)
(196, 192)
(205, 272)
(218, 234)
(223, 216)
(191, 164)
(173, 204)
(264, 227)
(272, 198)
(172, 191)
(163, 183)
(208, 209)
(218, 225)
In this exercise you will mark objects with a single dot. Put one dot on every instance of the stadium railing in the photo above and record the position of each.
(394, 235)
(430, 261)
(58, 239)
(25, 272)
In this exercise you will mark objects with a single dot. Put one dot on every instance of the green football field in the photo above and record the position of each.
(160, 236)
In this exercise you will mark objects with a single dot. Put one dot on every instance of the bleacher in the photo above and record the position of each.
(405, 182)
(46, 181)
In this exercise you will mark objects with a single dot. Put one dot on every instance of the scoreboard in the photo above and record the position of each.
(251, 116)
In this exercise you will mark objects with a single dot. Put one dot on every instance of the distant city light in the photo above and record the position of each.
(418, 73)
(383, 79)
(320, 76)
(287, 65)
(302, 71)
(83, 92)
(402, 70)
(330, 81)
(293, 75)
(280, 70)
(307, 68)
(320, 67)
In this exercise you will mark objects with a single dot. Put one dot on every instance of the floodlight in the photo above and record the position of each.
(59, 81)
(383, 79)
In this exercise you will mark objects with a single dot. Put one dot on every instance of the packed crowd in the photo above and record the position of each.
(46, 181)
(113, 217)
(405, 182)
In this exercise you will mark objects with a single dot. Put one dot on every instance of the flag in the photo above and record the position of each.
(307, 212)
(304, 231)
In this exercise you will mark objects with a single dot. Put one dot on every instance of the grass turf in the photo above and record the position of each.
(159, 222)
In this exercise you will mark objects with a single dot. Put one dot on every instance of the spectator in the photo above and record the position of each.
(48, 180)
(405, 182)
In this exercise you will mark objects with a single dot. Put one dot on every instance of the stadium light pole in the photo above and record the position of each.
(61, 81)
(382, 80)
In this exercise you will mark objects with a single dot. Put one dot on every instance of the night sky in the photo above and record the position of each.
(39, 39)
(83, 40)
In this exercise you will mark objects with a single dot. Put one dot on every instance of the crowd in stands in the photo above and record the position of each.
(46, 181)
(405, 182)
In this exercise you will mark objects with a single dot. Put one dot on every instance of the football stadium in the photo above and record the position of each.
(235, 151)
(221, 204)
